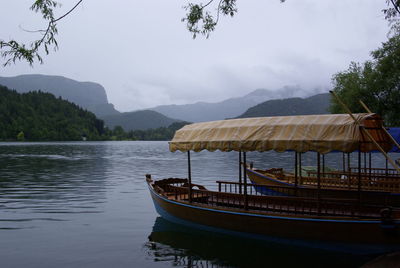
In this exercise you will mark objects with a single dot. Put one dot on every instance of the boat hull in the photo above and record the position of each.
(258, 179)
(266, 184)
(316, 229)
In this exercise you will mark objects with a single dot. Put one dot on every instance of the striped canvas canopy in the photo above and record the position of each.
(320, 133)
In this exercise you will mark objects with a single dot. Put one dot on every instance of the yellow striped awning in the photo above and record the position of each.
(319, 133)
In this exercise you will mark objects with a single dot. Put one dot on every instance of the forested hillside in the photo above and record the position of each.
(89, 95)
(317, 104)
(38, 116)
(152, 134)
(142, 120)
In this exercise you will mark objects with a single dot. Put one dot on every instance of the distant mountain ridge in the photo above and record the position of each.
(139, 120)
(317, 104)
(204, 111)
(93, 97)
(88, 95)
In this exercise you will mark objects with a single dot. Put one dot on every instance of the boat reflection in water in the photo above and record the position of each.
(184, 246)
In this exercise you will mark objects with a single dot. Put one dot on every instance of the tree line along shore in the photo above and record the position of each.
(39, 116)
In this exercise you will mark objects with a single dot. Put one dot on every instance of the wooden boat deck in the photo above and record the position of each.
(273, 205)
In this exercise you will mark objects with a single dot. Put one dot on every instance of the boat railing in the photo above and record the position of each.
(279, 204)
(370, 197)
(351, 180)
(253, 189)
(376, 171)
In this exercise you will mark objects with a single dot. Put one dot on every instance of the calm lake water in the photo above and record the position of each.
(86, 204)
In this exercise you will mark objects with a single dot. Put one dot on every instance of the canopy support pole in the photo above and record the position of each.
(348, 171)
(240, 172)
(359, 176)
(245, 182)
(319, 181)
(348, 162)
(343, 162)
(300, 173)
(296, 171)
(370, 165)
(189, 178)
(365, 162)
(386, 168)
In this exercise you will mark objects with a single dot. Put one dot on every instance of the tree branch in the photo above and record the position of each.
(66, 14)
(17, 51)
(199, 20)
(396, 5)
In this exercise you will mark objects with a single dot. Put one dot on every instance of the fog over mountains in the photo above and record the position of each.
(232, 107)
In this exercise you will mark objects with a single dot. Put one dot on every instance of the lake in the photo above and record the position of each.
(86, 204)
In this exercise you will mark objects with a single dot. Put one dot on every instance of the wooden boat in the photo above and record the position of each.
(369, 181)
(298, 218)
(237, 207)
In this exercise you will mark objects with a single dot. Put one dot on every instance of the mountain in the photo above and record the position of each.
(158, 134)
(39, 116)
(139, 120)
(317, 104)
(205, 111)
(89, 95)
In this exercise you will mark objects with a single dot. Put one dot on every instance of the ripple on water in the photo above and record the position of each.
(46, 156)
(31, 219)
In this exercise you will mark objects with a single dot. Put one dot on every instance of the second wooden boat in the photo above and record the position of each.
(386, 180)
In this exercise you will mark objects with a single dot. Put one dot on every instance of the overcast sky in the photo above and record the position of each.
(142, 54)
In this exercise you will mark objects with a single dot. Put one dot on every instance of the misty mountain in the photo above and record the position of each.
(317, 104)
(88, 95)
(139, 120)
(205, 111)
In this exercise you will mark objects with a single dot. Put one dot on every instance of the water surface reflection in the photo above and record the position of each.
(39, 182)
(184, 246)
